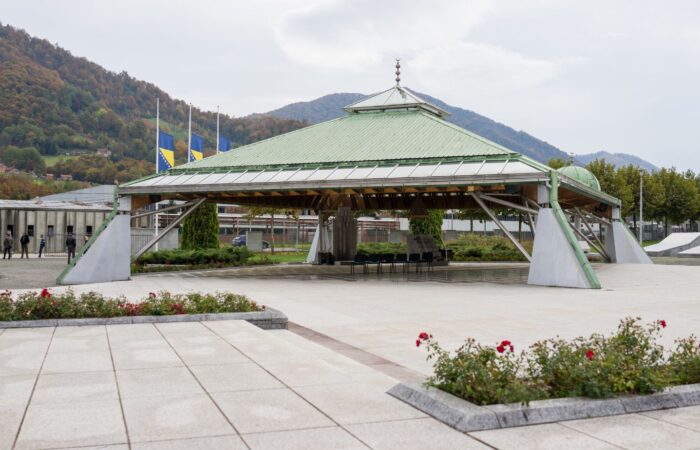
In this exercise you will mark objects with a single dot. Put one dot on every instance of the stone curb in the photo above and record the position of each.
(270, 319)
(466, 416)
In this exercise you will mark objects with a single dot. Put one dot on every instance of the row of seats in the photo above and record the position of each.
(403, 259)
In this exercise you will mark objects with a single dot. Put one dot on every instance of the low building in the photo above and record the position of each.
(79, 212)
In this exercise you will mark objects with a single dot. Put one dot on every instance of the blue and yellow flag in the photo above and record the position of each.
(166, 152)
(196, 148)
(224, 144)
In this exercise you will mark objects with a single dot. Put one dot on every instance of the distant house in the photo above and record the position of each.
(49, 176)
(104, 152)
(66, 177)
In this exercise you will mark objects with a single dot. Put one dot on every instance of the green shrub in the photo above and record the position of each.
(480, 247)
(629, 361)
(234, 256)
(684, 362)
(431, 225)
(373, 248)
(201, 228)
(481, 374)
(68, 305)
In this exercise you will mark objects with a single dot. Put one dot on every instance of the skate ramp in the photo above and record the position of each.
(674, 244)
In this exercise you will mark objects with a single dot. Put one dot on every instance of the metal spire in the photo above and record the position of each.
(398, 72)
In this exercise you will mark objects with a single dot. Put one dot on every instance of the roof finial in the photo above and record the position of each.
(398, 72)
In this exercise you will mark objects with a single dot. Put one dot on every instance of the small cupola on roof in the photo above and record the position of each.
(395, 98)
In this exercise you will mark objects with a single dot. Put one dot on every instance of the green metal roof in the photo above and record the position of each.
(581, 175)
(356, 138)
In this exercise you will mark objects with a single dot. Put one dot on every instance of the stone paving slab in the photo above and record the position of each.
(177, 419)
(179, 392)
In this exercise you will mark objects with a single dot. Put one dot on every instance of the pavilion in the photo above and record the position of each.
(392, 150)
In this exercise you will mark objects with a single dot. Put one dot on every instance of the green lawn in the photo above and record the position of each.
(51, 160)
(282, 257)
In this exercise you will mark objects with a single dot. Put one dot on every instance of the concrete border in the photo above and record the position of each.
(270, 319)
(465, 416)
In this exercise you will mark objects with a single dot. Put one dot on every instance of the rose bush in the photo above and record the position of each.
(68, 305)
(629, 361)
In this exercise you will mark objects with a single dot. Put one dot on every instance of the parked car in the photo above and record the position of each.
(240, 241)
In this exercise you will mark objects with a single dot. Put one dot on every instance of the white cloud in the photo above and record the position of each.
(466, 70)
(355, 35)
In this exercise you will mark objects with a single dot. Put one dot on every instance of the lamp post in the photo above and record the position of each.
(641, 207)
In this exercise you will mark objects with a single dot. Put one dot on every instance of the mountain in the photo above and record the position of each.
(618, 159)
(53, 103)
(57, 103)
(331, 106)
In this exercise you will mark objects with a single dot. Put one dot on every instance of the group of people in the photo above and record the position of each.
(24, 240)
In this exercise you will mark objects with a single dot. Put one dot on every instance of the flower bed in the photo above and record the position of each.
(629, 361)
(69, 305)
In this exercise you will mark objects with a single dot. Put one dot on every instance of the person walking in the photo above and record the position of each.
(24, 242)
(42, 245)
(70, 246)
(7, 246)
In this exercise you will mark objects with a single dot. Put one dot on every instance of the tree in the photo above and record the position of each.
(257, 211)
(430, 225)
(472, 214)
(681, 197)
(27, 159)
(558, 163)
(653, 192)
(612, 182)
(201, 228)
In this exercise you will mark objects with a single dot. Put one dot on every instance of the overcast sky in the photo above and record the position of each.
(615, 75)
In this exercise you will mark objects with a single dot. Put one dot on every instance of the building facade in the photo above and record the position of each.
(78, 212)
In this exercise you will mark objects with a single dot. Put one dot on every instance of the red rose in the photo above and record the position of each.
(424, 336)
(500, 349)
(662, 323)
(590, 354)
(505, 343)
(512, 349)
(45, 293)
(417, 342)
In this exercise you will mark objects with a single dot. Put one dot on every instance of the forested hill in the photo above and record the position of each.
(57, 103)
(331, 106)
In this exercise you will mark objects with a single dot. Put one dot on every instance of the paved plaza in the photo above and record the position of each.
(17, 273)
(322, 383)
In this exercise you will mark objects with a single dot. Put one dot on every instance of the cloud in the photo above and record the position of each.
(355, 35)
(467, 70)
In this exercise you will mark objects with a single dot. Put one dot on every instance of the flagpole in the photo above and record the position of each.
(157, 216)
(189, 138)
(217, 129)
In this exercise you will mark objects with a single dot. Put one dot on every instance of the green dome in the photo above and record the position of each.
(581, 175)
